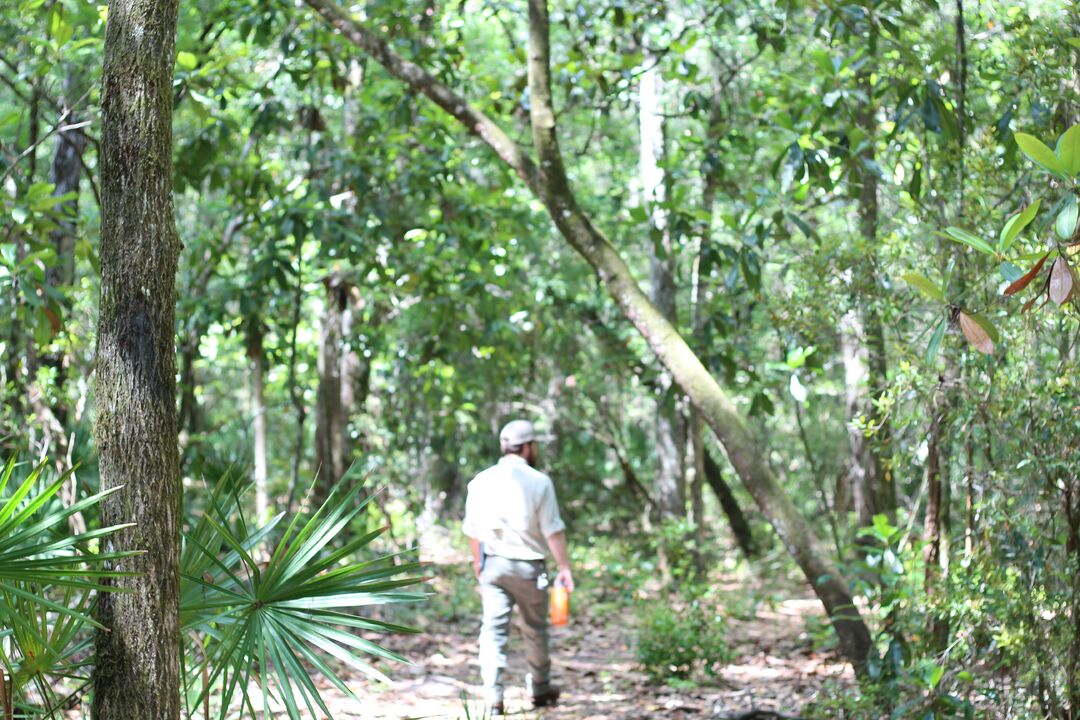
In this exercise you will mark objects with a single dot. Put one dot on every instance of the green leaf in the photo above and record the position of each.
(1016, 225)
(186, 60)
(1010, 272)
(59, 30)
(1066, 219)
(935, 342)
(935, 676)
(1037, 151)
(927, 286)
(1075, 42)
(970, 240)
(20, 214)
(1068, 149)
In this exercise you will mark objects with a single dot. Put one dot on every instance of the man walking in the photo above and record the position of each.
(511, 514)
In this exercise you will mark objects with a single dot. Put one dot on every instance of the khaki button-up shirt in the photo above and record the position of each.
(511, 508)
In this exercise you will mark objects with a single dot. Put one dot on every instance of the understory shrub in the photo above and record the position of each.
(675, 639)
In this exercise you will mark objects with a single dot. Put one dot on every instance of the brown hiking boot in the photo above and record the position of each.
(546, 699)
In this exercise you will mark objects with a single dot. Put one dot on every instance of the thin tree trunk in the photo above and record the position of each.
(296, 397)
(65, 173)
(969, 497)
(873, 487)
(669, 429)
(329, 415)
(549, 182)
(697, 487)
(137, 669)
(258, 407)
(937, 503)
(191, 420)
(343, 385)
(862, 466)
(740, 527)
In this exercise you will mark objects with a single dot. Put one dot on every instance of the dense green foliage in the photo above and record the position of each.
(870, 214)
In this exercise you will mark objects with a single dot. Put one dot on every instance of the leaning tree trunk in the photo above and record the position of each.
(137, 669)
(549, 182)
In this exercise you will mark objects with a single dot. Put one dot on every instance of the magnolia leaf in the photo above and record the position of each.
(986, 325)
(1061, 281)
(1023, 282)
(1017, 223)
(1009, 271)
(927, 286)
(967, 238)
(935, 341)
(976, 334)
(1037, 151)
(1068, 149)
(1066, 219)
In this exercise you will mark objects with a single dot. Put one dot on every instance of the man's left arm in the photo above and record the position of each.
(554, 530)
(477, 557)
(557, 543)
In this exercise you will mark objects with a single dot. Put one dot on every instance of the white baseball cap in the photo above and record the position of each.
(517, 432)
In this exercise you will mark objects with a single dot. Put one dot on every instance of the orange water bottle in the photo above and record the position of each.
(560, 604)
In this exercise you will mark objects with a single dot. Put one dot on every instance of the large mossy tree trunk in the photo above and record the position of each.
(137, 671)
(548, 180)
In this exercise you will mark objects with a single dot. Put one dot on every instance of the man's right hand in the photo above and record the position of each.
(565, 578)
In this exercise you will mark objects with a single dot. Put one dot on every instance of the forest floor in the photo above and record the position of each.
(774, 665)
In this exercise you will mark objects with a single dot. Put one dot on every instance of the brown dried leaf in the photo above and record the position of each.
(1028, 277)
(1061, 281)
(976, 335)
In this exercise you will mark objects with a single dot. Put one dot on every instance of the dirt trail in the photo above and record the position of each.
(593, 660)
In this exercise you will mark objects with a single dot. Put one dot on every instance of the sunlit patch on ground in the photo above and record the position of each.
(775, 667)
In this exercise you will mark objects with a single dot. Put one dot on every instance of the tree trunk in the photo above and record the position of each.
(863, 468)
(875, 491)
(744, 536)
(937, 509)
(697, 487)
(669, 428)
(329, 415)
(137, 669)
(343, 385)
(258, 408)
(549, 182)
(65, 173)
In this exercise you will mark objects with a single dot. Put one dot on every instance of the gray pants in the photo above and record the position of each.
(504, 583)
